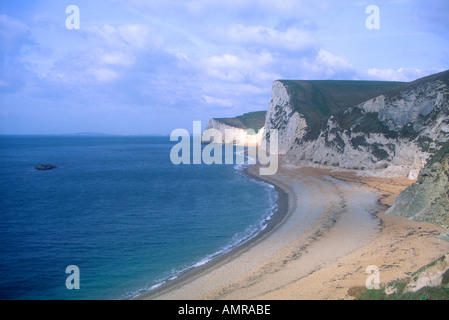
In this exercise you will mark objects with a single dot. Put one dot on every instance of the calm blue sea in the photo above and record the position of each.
(118, 209)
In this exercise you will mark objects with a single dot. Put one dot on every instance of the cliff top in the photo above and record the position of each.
(251, 120)
(317, 100)
(441, 76)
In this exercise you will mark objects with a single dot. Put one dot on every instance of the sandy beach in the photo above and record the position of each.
(330, 226)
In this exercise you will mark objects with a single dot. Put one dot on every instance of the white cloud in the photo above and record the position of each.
(291, 39)
(237, 68)
(107, 53)
(401, 74)
(117, 58)
(431, 15)
(230, 8)
(14, 39)
(205, 55)
(139, 36)
(102, 74)
(217, 101)
(326, 65)
(11, 30)
(127, 37)
(327, 59)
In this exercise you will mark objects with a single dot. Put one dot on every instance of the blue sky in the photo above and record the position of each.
(148, 67)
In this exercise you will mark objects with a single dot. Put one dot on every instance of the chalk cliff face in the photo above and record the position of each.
(236, 136)
(281, 115)
(381, 128)
(393, 134)
(384, 129)
(246, 129)
(298, 106)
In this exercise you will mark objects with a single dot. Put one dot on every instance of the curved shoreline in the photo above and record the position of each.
(330, 228)
(281, 213)
(310, 204)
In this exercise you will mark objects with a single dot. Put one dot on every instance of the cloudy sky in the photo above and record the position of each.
(148, 67)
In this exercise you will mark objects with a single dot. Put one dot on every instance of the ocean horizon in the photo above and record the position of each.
(120, 211)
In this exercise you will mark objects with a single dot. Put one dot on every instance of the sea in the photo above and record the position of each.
(116, 217)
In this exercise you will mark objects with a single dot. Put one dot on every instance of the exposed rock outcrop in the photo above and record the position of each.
(298, 107)
(430, 275)
(393, 134)
(44, 167)
(435, 274)
(386, 129)
(427, 200)
(281, 115)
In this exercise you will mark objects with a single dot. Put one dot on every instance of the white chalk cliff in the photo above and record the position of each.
(244, 130)
(230, 134)
(281, 115)
(391, 135)
(387, 129)
(382, 129)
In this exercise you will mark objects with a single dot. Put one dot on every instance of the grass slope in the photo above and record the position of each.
(317, 100)
(441, 76)
(251, 120)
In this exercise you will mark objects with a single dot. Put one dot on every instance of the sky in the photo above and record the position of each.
(149, 67)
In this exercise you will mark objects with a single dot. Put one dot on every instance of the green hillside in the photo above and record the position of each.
(368, 123)
(317, 100)
(251, 120)
(441, 76)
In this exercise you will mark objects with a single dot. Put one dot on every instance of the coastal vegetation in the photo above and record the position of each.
(428, 293)
(433, 280)
(251, 120)
(317, 100)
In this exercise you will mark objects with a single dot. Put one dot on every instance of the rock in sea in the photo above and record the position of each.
(45, 167)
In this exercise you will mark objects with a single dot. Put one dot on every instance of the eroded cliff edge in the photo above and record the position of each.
(391, 135)
(300, 107)
(241, 130)
(380, 128)
(402, 132)
(384, 129)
